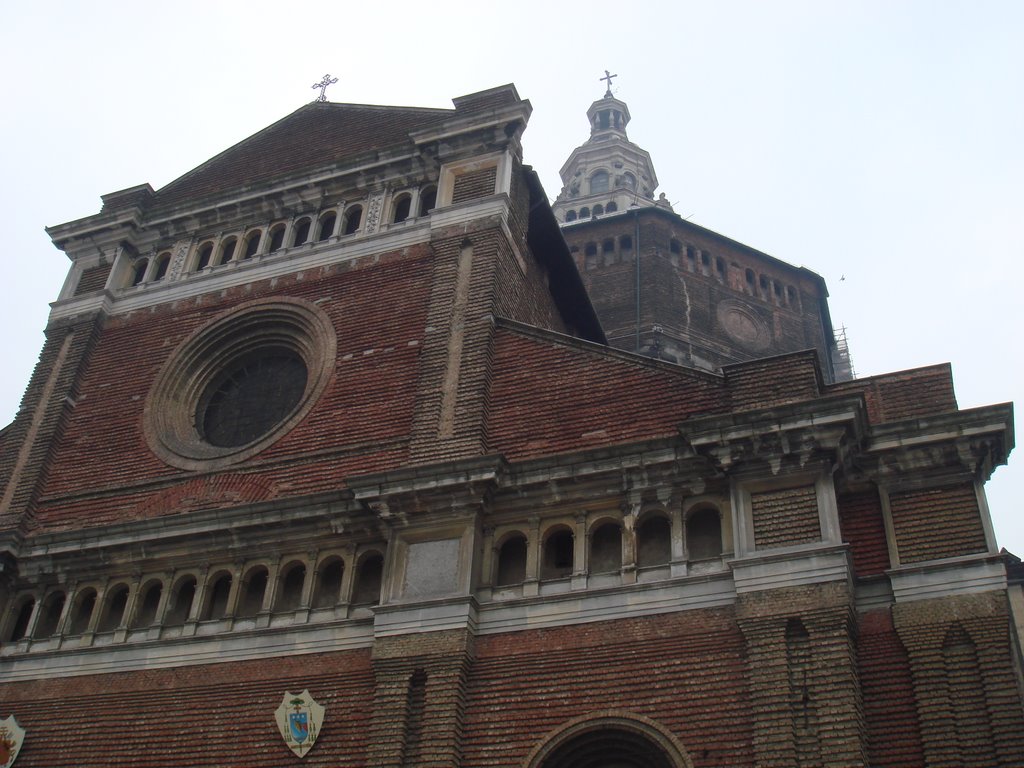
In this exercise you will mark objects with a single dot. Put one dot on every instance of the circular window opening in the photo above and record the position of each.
(240, 383)
(251, 398)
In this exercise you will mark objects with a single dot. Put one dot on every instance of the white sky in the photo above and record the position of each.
(877, 140)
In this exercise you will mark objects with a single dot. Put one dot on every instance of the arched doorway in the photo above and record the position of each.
(609, 741)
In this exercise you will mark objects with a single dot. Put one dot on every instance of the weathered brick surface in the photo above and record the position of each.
(213, 715)
(682, 295)
(904, 395)
(771, 382)
(894, 738)
(549, 396)
(686, 671)
(93, 279)
(936, 523)
(804, 685)
(863, 528)
(787, 517)
(469, 186)
(961, 660)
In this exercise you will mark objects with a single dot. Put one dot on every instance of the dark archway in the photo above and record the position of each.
(610, 741)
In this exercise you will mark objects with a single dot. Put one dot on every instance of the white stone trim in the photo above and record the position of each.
(952, 576)
(791, 567)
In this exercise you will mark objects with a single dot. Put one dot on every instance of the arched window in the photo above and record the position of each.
(428, 200)
(590, 249)
(352, 220)
(254, 587)
(276, 238)
(606, 549)
(327, 222)
(720, 269)
(629, 181)
(81, 611)
(675, 246)
(763, 286)
(511, 561)
(598, 209)
(751, 281)
(653, 541)
(626, 243)
(49, 616)
(205, 254)
(252, 244)
(557, 562)
(145, 616)
(163, 262)
(182, 597)
(300, 232)
(139, 271)
(328, 586)
(23, 616)
(400, 208)
(704, 534)
(611, 207)
(599, 182)
(790, 295)
(113, 609)
(289, 596)
(570, 215)
(369, 577)
(227, 250)
(584, 212)
(608, 246)
(217, 594)
(691, 259)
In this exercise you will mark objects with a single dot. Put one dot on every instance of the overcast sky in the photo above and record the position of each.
(880, 142)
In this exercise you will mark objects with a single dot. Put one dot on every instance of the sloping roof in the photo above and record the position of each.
(317, 135)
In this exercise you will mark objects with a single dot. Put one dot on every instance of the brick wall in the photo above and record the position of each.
(784, 518)
(904, 395)
(863, 528)
(469, 186)
(937, 523)
(215, 715)
(93, 279)
(525, 684)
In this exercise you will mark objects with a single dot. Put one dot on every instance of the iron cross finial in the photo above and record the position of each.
(322, 85)
(608, 76)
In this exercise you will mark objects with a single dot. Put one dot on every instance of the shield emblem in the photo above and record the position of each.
(299, 718)
(12, 736)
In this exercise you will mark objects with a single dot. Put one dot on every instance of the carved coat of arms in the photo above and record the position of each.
(12, 736)
(299, 719)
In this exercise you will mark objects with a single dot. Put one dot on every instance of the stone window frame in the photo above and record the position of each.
(282, 323)
(501, 161)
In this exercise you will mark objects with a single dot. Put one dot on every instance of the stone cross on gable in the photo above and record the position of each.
(322, 85)
(608, 77)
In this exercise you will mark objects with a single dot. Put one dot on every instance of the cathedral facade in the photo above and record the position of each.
(348, 448)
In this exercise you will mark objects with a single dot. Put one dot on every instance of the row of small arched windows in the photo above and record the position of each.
(92, 612)
(653, 547)
(587, 212)
(301, 231)
(702, 262)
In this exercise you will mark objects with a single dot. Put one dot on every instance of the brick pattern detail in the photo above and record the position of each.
(767, 383)
(93, 279)
(961, 659)
(46, 410)
(470, 186)
(525, 684)
(938, 523)
(784, 518)
(904, 395)
(894, 738)
(215, 715)
(419, 699)
(788, 685)
(863, 528)
(550, 396)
